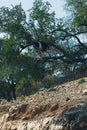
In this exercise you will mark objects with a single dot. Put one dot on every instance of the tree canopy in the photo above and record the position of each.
(40, 44)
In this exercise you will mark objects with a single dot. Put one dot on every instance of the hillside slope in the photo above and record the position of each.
(61, 108)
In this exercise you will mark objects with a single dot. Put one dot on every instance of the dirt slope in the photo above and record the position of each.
(44, 104)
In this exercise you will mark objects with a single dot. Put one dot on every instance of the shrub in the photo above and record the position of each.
(81, 81)
(48, 81)
(22, 98)
(33, 92)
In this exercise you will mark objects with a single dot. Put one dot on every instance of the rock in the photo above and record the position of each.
(6, 126)
(56, 127)
(22, 126)
(67, 98)
(74, 118)
(15, 108)
(34, 125)
(12, 117)
(12, 109)
(14, 128)
(85, 92)
(16, 111)
(4, 117)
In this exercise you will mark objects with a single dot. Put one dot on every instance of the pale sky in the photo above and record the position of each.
(57, 5)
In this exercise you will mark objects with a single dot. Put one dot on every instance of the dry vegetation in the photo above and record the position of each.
(46, 103)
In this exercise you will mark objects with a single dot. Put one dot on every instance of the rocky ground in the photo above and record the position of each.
(61, 108)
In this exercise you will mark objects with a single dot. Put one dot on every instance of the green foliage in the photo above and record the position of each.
(24, 66)
(10, 18)
(22, 98)
(79, 11)
(33, 92)
(48, 81)
(42, 20)
(81, 81)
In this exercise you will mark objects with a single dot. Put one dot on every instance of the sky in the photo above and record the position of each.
(57, 5)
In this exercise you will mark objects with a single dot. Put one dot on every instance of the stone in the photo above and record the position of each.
(67, 98)
(74, 118)
(85, 92)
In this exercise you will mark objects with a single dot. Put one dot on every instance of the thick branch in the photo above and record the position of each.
(63, 58)
(69, 34)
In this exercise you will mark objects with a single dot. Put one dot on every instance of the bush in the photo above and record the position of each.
(22, 98)
(33, 92)
(48, 81)
(81, 81)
